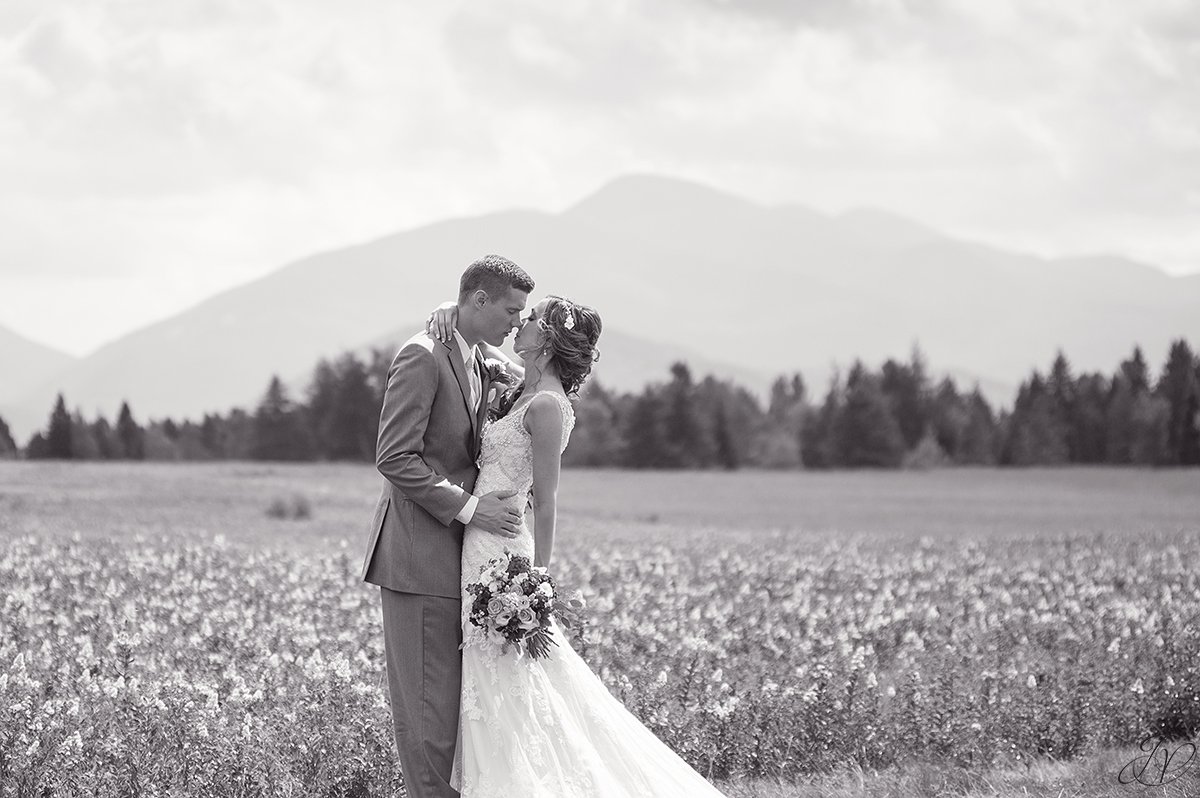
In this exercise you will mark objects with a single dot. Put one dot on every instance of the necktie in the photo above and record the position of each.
(473, 377)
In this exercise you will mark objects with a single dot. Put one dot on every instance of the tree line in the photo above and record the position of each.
(890, 418)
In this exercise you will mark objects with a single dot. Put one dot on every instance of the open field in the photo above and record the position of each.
(200, 500)
(935, 633)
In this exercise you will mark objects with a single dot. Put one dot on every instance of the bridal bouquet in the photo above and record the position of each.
(515, 601)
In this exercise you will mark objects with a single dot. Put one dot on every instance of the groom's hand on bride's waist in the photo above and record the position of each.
(493, 514)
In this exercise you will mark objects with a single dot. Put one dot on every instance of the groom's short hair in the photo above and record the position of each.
(495, 275)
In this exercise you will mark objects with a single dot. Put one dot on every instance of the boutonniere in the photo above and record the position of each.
(496, 372)
(502, 390)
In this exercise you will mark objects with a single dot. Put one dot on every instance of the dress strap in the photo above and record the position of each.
(564, 404)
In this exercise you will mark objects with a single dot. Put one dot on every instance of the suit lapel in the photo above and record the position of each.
(464, 384)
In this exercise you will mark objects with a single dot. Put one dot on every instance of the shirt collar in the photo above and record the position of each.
(467, 352)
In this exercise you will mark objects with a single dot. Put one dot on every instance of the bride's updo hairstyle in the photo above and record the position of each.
(571, 335)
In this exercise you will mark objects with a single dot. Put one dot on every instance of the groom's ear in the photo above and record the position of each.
(479, 298)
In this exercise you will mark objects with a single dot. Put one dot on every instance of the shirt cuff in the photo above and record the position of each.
(468, 511)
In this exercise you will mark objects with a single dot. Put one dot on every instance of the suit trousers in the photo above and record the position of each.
(421, 636)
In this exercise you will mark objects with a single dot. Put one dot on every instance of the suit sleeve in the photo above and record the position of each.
(399, 452)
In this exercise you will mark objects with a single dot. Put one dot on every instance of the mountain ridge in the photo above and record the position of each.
(676, 266)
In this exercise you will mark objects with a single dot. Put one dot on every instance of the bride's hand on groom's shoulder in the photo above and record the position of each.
(442, 321)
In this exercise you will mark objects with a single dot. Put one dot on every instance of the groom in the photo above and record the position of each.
(429, 428)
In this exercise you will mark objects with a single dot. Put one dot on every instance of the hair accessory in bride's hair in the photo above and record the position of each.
(595, 354)
(569, 321)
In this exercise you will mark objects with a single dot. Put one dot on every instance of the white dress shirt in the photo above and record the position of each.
(470, 355)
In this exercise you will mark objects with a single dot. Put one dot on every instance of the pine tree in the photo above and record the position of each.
(688, 441)
(949, 417)
(1126, 414)
(131, 435)
(1189, 453)
(867, 432)
(781, 400)
(1063, 398)
(159, 441)
(906, 387)
(190, 442)
(977, 445)
(644, 434)
(596, 440)
(1179, 388)
(343, 410)
(83, 443)
(377, 370)
(279, 429)
(1118, 422)
(1089, 421)
(784, 434)
(37, 448)
(1191, 456)
(1151, 416)
(211, 435)
(726, 452)
(744, 421)
(819, 444)
(8, 447)
(237, 435)
(58, 435)
(354, 421)
(107, 444)
(1136, 372)
(322, 404)
(1036, 434)
(799, 390)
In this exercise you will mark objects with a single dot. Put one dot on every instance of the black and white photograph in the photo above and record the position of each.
(578, 399)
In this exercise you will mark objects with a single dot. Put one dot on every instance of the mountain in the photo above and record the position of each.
(25, 364)
(674, 267)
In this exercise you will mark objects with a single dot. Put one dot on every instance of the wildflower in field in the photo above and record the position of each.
(759, 652)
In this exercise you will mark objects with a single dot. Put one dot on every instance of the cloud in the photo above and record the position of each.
(203, 142)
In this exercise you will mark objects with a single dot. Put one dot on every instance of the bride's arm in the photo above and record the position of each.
(441, 324)
(543, 419)
(442, 321)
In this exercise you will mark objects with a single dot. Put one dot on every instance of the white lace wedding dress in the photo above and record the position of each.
(545, 728)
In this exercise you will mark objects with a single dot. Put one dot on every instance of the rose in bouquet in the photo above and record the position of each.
(515, 602)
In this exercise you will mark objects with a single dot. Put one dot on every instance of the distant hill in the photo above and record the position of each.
(673, 267)
(25, 364)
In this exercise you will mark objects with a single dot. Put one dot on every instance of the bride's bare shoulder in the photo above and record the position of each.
(545, 410)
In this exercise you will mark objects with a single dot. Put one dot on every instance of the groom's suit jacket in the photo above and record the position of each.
(427, 449)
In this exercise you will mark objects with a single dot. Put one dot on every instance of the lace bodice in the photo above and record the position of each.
(506, 457)
(505, 463)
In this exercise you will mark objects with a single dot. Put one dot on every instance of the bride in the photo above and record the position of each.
(547, 726)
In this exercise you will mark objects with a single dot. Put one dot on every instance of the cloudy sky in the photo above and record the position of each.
(152, 153)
